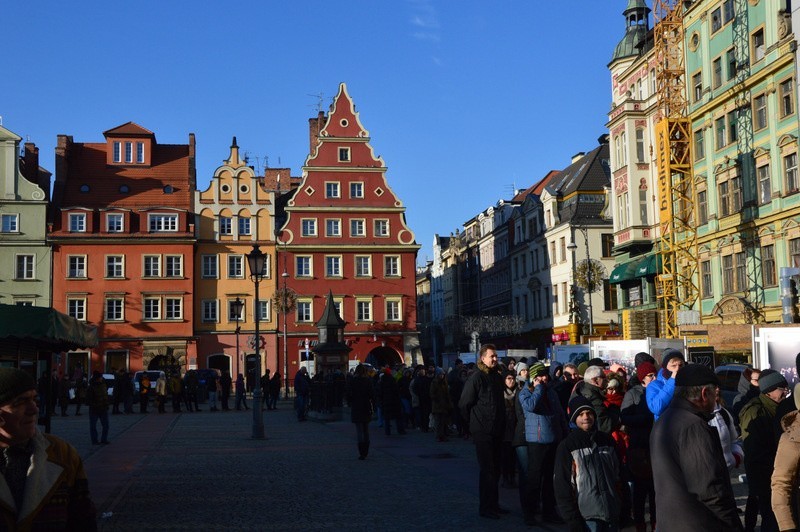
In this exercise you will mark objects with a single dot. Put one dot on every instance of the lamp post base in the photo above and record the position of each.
(258, 418)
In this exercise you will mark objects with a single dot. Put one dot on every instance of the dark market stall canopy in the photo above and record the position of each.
(45, 328)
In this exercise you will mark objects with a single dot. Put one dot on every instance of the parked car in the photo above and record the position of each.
(729, 376)
(153, 375)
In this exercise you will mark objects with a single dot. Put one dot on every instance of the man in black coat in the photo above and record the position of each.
(482, 404)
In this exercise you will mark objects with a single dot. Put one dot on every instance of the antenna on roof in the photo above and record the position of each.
(513, 187)
(1, 120)
(320, 98)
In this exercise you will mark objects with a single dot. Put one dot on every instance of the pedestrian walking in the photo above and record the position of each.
(212, 384)
(265, 388)
(225, 384)
(441, 404)
(482, 404)
(161, 392)
(144, 392)
(302, 389)
(274, 391)
(361, 398)
(97, 400)
(241, 401)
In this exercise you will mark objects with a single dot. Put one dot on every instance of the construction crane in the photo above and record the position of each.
(677, 247)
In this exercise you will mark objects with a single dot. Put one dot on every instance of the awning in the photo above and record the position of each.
(624, 272)
(649, 266)
(45, 327)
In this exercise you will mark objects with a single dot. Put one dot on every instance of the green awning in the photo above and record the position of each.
(624, 272)
(649, 266)
(46, 328)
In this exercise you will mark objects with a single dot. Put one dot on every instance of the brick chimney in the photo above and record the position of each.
(315, 125)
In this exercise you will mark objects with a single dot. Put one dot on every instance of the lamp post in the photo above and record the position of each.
(589, 278)
(236, 307)
(257, 261)
(285, 310)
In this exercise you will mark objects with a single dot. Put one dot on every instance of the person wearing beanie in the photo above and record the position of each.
(587, 472)
(40, 472)
(638, 359)
(638, 421)
(545, 426)
(522, 374)
(757, 421)
(659, 392)
(692, 483)
(787, 465)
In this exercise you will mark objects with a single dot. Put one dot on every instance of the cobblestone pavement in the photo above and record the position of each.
(202, 471)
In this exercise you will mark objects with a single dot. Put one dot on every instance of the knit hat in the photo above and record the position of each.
(696, 375)
(577, 405)
(582, 367)
(439, 371)
(537, 369)
(13, 382)
(643, 369)
(669, 354)
(597, 362)
(520, 367)
(770, 380)
(642, 357)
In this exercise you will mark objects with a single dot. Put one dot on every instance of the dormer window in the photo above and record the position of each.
(128, 152)
(140, 152)
(117, 152)
(344, 155)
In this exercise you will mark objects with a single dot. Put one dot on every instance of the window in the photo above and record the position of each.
(699, 145)
(309, 227)
(768, 265)
(787, 97)
(392, 310)
(794, 253)
(129, 152)
(643, 205)
(114, 309)
(262, 310)
(730, 58)
(705, 274)
(790, 168)
(357, 228)
(140, 152)
(173, 308)
(562, 248)
(363, 266)
(209, 310)
(697, 84)
(391, 266)
(609, 295)
(235, 267)
(173, 266)
(759, 46)
(640, 145)
(77, 222)
(244, 226)
(152, 266)
(727, 274)
(163, 223)
(76, 308)
(115, 266)
(760, 111)
(741, 271)
(764, 184)
(332, 190)
(363, 310)
(152, 308)
(333, 266)
(716, 20)
(303, 311)
(117, 152)
(303, 266)
(381, 228)
(114, 223)
(344, 155)
(607, 245)
(333, 227)
(357, 190)
(76, 267)
(9, 223)
(733, 130)
(232, 316)
(225, 225)
(724, 199)
(209, 266)
(716, 68)
(727, 11)
(719, 128)
(25, 268)
(702, 207)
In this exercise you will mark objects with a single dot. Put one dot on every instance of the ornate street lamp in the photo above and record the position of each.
(257, 261)
(236, 308)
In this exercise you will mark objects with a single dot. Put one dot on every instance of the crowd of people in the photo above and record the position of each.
(597, 448)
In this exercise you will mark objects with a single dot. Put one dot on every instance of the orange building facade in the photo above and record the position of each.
(123, 241)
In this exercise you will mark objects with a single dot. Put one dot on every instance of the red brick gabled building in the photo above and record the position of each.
(123, 237)
(345, 232)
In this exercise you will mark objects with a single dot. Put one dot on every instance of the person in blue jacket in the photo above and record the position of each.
(659, 392)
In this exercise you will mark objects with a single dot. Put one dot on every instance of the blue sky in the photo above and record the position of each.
(463, 99)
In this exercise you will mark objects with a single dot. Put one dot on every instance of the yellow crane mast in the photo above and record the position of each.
(677, 288)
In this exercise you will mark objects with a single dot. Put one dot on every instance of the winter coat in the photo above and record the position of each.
(745, 393)
(511, 398)
(659, 393)
(545, 422)
(361, 398)
(161, 386)
(389, 395)
(637, 417)
(585, 478)
(607, 416)
(97, 397)
(302, 383)
(785, 482)
(56, 491)
(440, 397)
(482, 403)
(759, 433)
(728, 436)
(692, 483)
(275, 384)
(519, 429)
(421, 385)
